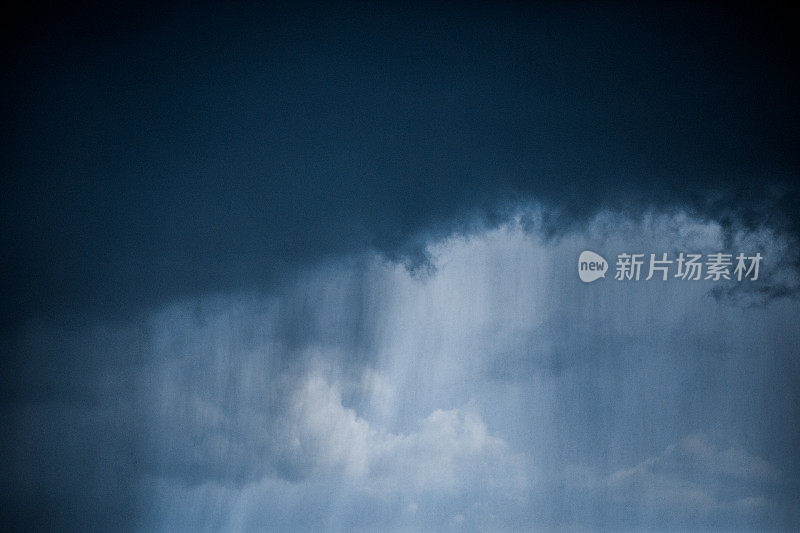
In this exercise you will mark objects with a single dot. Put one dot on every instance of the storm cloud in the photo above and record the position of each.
(161, 153)
(314, 268)
(493, 391)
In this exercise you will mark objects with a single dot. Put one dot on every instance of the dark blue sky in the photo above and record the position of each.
(219, 221)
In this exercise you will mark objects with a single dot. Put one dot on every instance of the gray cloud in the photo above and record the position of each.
(218, 222)
(366, 396)
(231, 149)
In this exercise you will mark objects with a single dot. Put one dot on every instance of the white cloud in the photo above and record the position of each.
(449, 449)
(361, 382)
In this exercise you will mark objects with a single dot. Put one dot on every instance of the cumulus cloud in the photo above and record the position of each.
(363, 395)
(280, 268)
(451, 449)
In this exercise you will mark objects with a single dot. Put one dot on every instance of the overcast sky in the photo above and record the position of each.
(314, 267)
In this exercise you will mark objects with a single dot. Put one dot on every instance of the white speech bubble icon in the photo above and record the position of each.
(591, 266)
